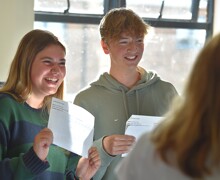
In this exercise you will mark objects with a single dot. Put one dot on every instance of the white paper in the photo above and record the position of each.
(137, 125)
(72, 126)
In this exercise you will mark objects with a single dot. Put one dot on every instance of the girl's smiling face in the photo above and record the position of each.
(48, 71)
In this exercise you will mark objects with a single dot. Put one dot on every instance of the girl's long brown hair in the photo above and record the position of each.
(191, 129)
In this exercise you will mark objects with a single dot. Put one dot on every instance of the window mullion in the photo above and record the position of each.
(195, 10)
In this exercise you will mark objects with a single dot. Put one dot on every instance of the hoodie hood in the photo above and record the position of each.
(108, 82)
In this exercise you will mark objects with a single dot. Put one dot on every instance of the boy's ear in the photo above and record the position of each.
(104, 47)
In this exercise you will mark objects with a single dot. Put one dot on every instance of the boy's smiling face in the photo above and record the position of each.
(125, 52)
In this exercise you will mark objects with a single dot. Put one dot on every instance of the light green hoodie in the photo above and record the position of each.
(113, 103)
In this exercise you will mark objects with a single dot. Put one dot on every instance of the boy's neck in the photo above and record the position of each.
(129, 78)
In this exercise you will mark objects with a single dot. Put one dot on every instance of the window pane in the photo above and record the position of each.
(87, 6)
(170, 52)
(177, 9)
(203, 11)
(50, 5)
(76, 6)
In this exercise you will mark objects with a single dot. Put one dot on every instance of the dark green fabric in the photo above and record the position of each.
(19, 123)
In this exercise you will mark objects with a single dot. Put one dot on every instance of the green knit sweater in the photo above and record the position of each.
(19, 123)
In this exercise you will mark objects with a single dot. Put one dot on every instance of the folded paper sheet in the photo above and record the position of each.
(72, 126)
(137, 125)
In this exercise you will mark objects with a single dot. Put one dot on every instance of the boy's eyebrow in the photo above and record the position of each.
(124, 37)
(130, 35)
(121, 38)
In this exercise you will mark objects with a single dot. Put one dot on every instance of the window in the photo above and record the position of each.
(179, 30)
(75, 6)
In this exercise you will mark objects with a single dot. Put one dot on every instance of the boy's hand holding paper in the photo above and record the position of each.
(139, 124)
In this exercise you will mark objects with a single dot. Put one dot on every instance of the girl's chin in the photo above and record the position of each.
(51, 91)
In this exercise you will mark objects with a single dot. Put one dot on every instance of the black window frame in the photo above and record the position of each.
(159, 22)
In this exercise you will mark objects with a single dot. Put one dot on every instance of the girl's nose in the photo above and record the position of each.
(55, 69)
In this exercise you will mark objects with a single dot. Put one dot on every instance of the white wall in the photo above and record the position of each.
(16, 19)
(216, 28)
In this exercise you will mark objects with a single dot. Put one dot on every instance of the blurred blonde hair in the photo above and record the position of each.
(191, 129)
(120, 20)
(18, 83)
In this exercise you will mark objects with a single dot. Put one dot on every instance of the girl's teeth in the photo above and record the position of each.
(50, 79)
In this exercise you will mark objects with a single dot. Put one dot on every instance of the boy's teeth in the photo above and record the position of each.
(132, 57)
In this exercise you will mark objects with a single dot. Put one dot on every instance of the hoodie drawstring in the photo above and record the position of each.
(125, 102)
(137, 101)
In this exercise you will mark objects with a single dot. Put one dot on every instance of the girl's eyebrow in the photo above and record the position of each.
(47, 57)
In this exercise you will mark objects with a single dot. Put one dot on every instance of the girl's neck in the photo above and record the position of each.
(35, 102)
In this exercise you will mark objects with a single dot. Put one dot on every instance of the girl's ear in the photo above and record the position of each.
(104, 47)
